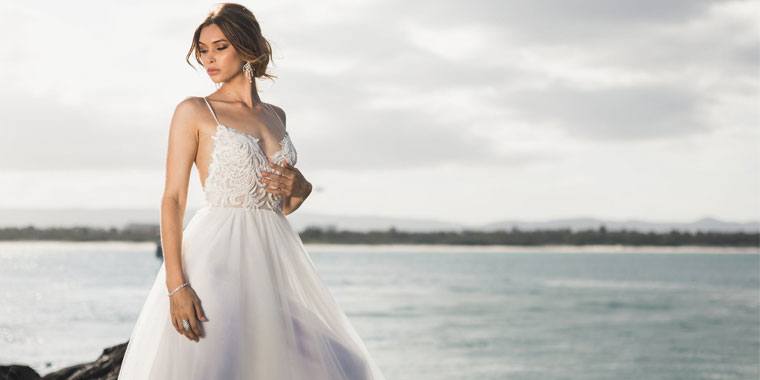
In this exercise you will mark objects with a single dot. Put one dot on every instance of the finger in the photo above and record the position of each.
(178, 323)
(287, 171)
(200, 331)
(181, 316)
(195, 326)
(283, 167)
(190, 334)
(174, 323)
(280, 192)
(187, 333)
(276, 165)
(269, 176)
(180, 328)
(199, 312)
(284, 190)
(283, 174)
(272, 184)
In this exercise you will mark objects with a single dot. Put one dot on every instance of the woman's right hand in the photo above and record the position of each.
(185, 304)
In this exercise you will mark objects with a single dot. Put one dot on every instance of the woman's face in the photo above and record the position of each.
(219, 57)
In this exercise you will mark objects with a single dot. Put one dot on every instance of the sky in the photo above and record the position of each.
(460, 111)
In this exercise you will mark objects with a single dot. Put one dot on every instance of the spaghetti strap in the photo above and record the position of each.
(211, 109)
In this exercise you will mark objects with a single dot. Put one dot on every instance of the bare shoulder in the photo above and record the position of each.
(280, 112)
(192, 105)
(187, 113)
(190, 109)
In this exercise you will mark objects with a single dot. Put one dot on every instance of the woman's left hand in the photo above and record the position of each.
(286, 181)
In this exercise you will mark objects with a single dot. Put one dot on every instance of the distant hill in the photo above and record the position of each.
(120, 218)
(704, 224)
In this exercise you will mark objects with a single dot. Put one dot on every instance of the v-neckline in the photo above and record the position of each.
(256, 140)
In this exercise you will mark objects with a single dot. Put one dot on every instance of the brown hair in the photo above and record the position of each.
(242, 29)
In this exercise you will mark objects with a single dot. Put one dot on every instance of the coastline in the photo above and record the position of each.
(429, 248)
(538, 249)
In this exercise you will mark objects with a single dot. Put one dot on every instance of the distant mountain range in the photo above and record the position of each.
(120, 218)
(704, 224)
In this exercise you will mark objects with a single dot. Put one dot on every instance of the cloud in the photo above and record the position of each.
(621, 113)
(529, 103)
(40, 133)
(427, 86)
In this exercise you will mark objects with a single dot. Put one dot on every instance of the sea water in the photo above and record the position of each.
(434, 314)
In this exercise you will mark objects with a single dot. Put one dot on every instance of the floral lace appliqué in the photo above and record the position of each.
(234, 178)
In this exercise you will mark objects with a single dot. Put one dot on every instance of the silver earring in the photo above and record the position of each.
(248, 71)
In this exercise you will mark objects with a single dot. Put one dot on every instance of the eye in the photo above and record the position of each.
(221, 48)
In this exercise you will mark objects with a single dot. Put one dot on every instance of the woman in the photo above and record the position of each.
(238, 296)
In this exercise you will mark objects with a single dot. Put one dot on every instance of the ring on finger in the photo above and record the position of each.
(186, 324)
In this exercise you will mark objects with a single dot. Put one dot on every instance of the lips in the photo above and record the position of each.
(212, 71)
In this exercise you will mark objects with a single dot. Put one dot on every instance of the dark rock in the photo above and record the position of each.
(105, 367)
(18, 372)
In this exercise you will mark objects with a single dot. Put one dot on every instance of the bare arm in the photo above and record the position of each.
(300, 191)
(183, 146)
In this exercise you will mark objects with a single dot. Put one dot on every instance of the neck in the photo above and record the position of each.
(238, 89)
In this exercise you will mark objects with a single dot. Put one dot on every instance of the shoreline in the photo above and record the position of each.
(538, 249)
(435, 248)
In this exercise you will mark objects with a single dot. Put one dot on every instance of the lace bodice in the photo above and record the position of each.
(237, 160)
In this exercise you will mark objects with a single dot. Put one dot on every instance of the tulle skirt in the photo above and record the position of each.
(270, 317)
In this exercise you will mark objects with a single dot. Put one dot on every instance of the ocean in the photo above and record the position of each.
(440, 313)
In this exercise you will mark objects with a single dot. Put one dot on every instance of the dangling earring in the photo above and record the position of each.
(248, 71)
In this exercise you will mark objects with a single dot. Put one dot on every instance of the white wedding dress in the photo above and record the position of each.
(270, 317)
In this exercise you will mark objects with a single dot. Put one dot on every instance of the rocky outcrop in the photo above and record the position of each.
(105, 367)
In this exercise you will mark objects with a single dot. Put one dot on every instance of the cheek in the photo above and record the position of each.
(227, 59)
(226, 54)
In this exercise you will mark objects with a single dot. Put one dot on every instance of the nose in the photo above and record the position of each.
(210, 57)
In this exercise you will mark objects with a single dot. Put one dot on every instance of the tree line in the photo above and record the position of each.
(331, 235)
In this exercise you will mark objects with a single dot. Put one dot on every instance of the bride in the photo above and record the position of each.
(238, 296)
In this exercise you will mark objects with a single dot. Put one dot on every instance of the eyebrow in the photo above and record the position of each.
(212, 42)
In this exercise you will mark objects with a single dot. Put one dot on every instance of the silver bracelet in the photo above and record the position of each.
(178, 288)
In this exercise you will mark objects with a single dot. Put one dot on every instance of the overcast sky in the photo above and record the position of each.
(464, 111)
